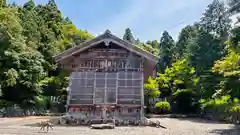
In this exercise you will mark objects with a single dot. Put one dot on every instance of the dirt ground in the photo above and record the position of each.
(27, 126)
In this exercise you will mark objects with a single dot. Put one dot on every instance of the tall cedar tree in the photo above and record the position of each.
(166, 48)
(215, 20)
(184, 38)
(234, 6)
(128, 36)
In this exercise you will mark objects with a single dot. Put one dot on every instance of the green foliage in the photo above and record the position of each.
(235, 109)
(22, 65)
(3, 3)
(215, 20)
(184, 38)
(222, 108)
(179, 76)
(166, 47)
(208, 84)
(128, 36)
(220, 105)
(198, 66)
(151, 88)
(30, 36)
(229, 68)
(149, 48)
(30, 5)
(184, 101)
(53, 85)
(234, 6)
(203, 50)
(40, 101)
(233, 44)
(163, 107)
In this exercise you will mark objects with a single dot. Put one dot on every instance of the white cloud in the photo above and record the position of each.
(143, 13)
(143, 10)
(128, 17)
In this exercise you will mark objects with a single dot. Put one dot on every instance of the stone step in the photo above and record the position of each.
(102, 126)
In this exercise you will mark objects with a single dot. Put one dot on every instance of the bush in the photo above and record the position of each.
(162, 107)
(223, 108)
(222, 104)
(184, 101)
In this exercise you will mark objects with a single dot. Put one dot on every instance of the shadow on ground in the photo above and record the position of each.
(235, 130)
(53, 120)
(200, 120)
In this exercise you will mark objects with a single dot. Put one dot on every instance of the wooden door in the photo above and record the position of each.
(105, 87)
(111, 88)
(99, 88)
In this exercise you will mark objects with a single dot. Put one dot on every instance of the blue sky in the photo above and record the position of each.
(146, 18)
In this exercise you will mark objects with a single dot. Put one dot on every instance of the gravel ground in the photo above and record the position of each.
(173, 127)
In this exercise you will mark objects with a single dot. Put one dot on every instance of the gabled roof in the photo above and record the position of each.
(107, 37)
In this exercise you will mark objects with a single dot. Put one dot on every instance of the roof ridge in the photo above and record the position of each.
(106, 34)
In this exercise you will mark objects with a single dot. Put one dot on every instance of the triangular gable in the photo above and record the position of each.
(106, 37)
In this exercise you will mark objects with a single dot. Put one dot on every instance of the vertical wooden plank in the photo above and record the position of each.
(69, 92)
(94, 88)
(117, 87)
(105, 90)
(142, 93)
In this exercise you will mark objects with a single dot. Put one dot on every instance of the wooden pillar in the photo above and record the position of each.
(94, 88)
(69, 92)
(142, 91)
(117, 87)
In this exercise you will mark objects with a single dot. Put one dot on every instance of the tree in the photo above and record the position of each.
(29, 5)
(137, 42)
(52, 3)
(203, 50)
(128, 36)
(150, 90)
(3, 3)
(184, 38)
(166, 47)
(67, 20)
(215, 20)
(21, 66)
(178, 77)
(30, 36)
(154, 44)
(229, 67)
(234, 6)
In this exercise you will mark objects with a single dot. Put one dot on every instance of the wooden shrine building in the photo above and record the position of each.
(107, 75)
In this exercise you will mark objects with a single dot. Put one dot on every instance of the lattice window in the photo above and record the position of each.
(100, 83)
(136, 83)
(121, 83)
(99, 95)
(137, 75)
(111, 75)
(100, 75)
(89, 82)
(111, 96)
(82, 84)
(130, 85)
(111, 83)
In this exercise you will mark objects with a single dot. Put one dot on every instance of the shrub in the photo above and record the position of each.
(222, 104)
(184, 101)
(223, 108)
(235, 109)
(162, 107)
